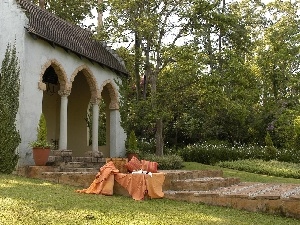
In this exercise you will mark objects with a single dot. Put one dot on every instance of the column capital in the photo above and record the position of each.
(95, 101)
(64, 93)
(114, 105)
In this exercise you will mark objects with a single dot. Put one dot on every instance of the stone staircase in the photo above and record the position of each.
(213, 189)
(64, 168)
(178, 181)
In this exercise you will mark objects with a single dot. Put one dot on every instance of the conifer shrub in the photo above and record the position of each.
(9, 105)
(271, 151)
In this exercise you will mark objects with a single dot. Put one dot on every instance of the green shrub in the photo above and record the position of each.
(283, 133)
(9, 105)
(41, 140)
(147, 147)
(297, 132)
(132, 144)
(166, 162)
(210, 154)
(270, 150)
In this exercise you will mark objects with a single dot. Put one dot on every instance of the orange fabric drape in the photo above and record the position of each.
(138, 185)
(104, 181)
(154, 185)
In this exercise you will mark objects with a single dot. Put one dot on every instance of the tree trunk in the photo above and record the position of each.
(147, 69)
(42, 4)
(100, 14)
(137, 64)
(159, 122)
(220, 43)
(159, 137)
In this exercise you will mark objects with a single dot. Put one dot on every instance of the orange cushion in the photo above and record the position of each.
(134, 164)
(149, 166)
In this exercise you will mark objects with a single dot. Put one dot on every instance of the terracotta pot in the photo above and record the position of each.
(40, 156)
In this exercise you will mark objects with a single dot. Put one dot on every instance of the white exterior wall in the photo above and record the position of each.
(33, 55)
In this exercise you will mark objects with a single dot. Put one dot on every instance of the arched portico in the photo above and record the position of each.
(109, 94)
(53, 82)
(84, 90)
(66, 104)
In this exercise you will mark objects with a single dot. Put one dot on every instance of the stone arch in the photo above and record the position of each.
(61, 74)
(113, 93)
(92, 82)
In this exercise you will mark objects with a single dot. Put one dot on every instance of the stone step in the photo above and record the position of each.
(78, 179)
(59, 159)
(71, 165)
(202, 184)
(174, 175)
(80, 166)
(80, 169)
(281, 199)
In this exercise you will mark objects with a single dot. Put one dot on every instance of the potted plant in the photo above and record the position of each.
(132, 147)
(41, 147)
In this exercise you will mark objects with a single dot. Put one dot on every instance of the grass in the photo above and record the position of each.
(28, 201)
(244, 176)
(274, 168)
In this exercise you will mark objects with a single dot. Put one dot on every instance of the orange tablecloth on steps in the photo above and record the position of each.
(138, 185)
(104, 181)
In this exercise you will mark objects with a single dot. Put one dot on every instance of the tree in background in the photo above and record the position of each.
(9, 105)
(148, 24)
(278, 64)
(74, 11)
(233, 78)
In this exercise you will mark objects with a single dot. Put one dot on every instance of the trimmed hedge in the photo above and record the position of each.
(210, 154)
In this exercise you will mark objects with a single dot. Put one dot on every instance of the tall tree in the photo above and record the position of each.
(74, 11)
(9, 105)
(277, 60)
(149, 24)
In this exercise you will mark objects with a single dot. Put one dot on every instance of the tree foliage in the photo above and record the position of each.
(74, 11)
(207, 70)
(9, 105)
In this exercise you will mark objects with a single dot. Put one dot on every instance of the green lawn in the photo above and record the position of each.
(244, 176)
(27, 201)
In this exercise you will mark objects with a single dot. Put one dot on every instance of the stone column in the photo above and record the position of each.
(63, 133)
(95, 125)
(117, 134)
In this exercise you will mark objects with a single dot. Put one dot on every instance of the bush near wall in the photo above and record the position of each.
(166, 162)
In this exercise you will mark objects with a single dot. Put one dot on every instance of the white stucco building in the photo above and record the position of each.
(63, 72)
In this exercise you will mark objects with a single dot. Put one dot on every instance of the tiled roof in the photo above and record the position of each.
(68, 36)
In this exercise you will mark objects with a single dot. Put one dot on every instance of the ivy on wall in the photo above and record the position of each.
(9, 105)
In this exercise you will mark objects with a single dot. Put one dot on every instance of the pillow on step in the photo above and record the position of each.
(149, 166)
(134, 164)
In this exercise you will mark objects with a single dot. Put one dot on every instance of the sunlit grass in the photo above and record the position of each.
(27, 201)
(244, 176)
(273, 168)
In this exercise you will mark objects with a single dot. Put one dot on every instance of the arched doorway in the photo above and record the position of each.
(109, 95)
(52, 80)
(78, 102)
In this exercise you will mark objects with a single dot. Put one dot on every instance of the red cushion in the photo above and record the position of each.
(149, 166)
(134, 164)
